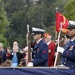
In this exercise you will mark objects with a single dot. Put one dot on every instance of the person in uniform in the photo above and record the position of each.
(68, 54)
(40, 50)
(51, 51)
(66, 39)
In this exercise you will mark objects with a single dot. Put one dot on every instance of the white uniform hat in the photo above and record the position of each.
(71, 25)
(37, 30)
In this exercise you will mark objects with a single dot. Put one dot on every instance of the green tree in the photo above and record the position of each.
(69, 10)
(12, 6)
(18, 28)
(3, 23)
(37, 15)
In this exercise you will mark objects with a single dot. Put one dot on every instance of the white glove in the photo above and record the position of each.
(30, 64)
(60, 49)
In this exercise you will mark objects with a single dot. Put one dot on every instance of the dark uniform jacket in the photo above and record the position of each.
(40, 54)
(69, 54)
(2, 56)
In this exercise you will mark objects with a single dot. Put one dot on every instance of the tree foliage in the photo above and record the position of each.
(3, 23)
(69, 10)
(37, 13)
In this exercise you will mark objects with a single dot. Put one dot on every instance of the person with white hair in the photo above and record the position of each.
(51, 46)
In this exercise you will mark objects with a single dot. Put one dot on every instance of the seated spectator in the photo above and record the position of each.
(2, 54)
(22, 63)
(7, 63)
(25, 55)
(8, 52)
(15, 43)
(15, 57)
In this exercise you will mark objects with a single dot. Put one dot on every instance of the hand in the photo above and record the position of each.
(60, 49)
(30, 64)
(56, 53)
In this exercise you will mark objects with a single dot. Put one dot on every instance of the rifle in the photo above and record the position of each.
(28, 44)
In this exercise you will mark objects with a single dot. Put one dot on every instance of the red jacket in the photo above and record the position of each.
(51, 53)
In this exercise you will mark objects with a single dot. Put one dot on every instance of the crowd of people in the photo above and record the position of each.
(43, 51)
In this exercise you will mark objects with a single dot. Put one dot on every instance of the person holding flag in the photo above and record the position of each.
(61, 25)
(68, 54)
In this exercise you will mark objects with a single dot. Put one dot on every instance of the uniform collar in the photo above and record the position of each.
(39, 41)
(73, 39)
(48, 42)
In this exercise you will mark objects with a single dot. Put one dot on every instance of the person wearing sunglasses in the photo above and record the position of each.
(40, 50)
(68, 54)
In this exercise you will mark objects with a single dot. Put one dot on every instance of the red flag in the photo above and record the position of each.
(61, 18)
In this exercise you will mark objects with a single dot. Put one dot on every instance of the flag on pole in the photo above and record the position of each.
(61, 18)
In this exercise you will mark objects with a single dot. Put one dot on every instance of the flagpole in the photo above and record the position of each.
(57, 9)
(60, 20)
(59, 33)
(58, 44)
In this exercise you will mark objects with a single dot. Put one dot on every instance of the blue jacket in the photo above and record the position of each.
(69, 54)
(3, 56)
(40, 54)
